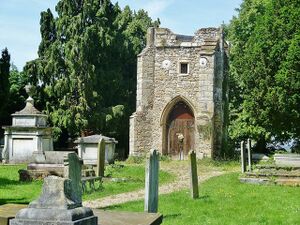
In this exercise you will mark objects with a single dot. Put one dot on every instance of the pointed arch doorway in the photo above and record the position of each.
(180, 121)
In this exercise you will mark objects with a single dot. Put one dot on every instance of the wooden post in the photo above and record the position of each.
(193, 175)
(249, 155)
(243, 164)
(151, 182)
(100, 158)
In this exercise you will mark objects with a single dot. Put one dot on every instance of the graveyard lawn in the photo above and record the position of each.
(224, 200)
(14, 191)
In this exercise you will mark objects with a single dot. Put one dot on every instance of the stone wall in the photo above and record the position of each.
(160, 85)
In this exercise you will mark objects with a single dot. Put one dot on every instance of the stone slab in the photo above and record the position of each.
(127, 218)
(288, 181)
(9, 211)
(254, 180)
(92, 220)
(288, 160)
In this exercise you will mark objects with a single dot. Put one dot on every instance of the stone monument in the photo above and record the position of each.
(182, 88)
(88, 148)
(60, 202)
(29, 133)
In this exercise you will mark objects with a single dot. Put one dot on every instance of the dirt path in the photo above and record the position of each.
(181, 182)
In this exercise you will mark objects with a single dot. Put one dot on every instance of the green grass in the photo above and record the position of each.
(135, 175)
(14, 191)
(224, 200)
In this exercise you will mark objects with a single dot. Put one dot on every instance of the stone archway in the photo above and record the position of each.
(178, 118)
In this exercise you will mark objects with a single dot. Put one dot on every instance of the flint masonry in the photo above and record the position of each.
(181, 92)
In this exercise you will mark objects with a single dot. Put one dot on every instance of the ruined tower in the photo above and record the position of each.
(181, 94)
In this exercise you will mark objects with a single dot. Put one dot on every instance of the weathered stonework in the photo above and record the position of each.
(161, 85)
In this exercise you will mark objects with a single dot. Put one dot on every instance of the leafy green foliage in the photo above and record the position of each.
(86, 69)
(265, 71)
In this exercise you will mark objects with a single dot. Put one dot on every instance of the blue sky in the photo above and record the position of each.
(19, 20)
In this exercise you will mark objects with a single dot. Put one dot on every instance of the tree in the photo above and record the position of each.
(4, 86)
(265, 71)
(86, 70)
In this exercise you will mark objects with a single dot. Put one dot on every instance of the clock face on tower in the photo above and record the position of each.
(166, 64)
(203, 62)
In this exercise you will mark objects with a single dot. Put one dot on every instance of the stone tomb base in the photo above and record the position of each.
(59, 204)
(78, 216)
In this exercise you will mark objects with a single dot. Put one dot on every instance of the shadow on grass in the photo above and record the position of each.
(204, 197)
(171, 216)
(6, 182)
(14, 201)
(111, 207)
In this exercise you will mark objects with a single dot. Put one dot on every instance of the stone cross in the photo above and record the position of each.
(72, 171)
(243, 161)
(151, 182)
(193, 174)
(101, 158)
(249, 155)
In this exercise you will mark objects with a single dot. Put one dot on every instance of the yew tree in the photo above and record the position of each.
(85, 72)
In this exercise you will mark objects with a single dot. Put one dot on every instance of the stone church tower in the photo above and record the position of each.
(181, 94)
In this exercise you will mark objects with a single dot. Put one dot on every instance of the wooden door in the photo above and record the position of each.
(180, 122)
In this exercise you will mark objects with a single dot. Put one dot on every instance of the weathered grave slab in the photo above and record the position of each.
(287, 160)
(9, 211)
(127, 218)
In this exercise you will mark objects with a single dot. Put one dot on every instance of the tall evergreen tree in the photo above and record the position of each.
(265, 71)
(86, 69)
(4, 87)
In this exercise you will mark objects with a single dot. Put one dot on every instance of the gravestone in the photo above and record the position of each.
(243, 161)
(193, 174)
(60, 202)
(72, 171)
(101, 158)
(249, 155)
(151, 182)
